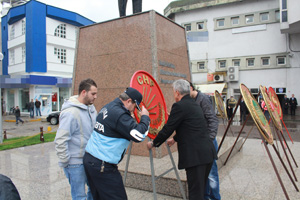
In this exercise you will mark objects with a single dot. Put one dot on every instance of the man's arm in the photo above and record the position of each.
(67, 125)
(210, 116)
(131, 130)
(173, 122)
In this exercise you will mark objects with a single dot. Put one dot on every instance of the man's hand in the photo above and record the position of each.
(170, 141)
(149, 145)
(144, 111)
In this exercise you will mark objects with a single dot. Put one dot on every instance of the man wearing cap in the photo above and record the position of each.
(109, 141)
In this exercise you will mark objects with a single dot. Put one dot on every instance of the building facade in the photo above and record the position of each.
(38, 44)
(254, 42)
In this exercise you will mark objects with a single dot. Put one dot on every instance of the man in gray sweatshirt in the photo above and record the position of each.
(76, 123)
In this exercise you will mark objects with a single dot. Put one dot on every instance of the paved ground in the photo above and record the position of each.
(248, 175)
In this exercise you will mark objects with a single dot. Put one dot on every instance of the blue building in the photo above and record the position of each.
(38, 44)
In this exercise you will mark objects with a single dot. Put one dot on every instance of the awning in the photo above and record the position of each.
(209, 89)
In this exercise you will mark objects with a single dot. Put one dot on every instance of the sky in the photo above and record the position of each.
(103, 10)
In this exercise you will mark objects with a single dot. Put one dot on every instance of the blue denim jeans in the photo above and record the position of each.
(38, 111)
(212, 186)
(31, 112)
(77, 179)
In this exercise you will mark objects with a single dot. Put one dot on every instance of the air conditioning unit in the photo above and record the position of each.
(218, 78)
(233, 73)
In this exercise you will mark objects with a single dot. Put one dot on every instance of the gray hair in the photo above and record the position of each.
(124, 96)
(182, 86)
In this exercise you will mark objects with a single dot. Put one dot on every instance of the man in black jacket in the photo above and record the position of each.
(243, 111)
(285, 105)
(293, 104)
(196, 150)
(212, 187)
(18, 115)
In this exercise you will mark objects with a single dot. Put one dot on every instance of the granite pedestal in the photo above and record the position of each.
(111, 52)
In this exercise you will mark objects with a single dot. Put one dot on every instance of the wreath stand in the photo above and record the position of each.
(153, 172)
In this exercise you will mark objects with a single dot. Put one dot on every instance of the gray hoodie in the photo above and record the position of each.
(76, 123)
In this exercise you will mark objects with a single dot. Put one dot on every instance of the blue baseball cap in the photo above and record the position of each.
(135, 95)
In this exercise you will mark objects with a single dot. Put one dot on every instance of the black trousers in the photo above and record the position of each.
(197, 177)
(293, 111)
(104, 179)
(136, 4)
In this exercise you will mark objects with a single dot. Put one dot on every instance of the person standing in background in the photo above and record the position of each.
(230, 104)
(285, 105)
(31, 108)
(3, 108)
(293, 104)
(243, 110)
(37, 107)
(76, 123)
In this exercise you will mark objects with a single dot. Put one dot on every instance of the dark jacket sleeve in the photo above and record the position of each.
(128, 128)
(8, 190)
(173, 122)
(209, 114)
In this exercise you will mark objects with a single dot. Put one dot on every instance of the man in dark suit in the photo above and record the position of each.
(243, 111)
(285, 105)
(196, 150)
(293, 104)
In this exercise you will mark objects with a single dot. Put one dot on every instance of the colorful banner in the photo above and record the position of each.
(220, 105)
(257, 114)
(271, 108)
(153, 100)
(273, 96)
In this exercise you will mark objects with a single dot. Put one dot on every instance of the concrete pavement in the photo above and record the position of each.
(247, 175)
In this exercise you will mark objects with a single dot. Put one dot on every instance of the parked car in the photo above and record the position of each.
(53, 118)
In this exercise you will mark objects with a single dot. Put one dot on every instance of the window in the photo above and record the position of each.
(264, 17)
(281, 60)
(236, 62)
(11, 57)
(222, 63)
(265, 61)
(250, 62)
(249, 19)
(284, 4)
(188, 27)
(60, 31)
(23, 27)
(220, 22)
(61, 54)
(284, 16)
(200, 25)
(201, 65)
(277, 15)
(235, 20)
(12, 32)
(23, 53)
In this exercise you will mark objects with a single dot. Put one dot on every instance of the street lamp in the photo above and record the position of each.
(1, 136)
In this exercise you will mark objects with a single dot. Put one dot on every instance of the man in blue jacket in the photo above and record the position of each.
(109, 141)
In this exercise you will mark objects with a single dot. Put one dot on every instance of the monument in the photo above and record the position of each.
(111, 52)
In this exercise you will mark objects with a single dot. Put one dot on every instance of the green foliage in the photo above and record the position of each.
(26, 141)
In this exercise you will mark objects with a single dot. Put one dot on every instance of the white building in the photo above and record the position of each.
(38, 44)
(260, 39)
